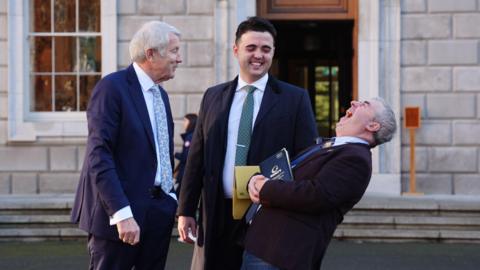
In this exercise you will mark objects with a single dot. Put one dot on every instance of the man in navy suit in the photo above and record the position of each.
(281, 116)
(297, 219)
(125, 199)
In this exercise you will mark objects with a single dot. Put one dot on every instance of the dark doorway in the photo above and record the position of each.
(317, 55)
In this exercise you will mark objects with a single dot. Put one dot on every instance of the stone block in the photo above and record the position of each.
(466, 132)
(414, 53)
(466, 79)
(3, 132)
(193, 27)
(429, 183)
(478, 106)
(177, 103)
(5, 183)
(466, 184)
(3, 79)
(24, 183)
(3, 55)
(193, 103)
(177, 139)
(190, 80)
(200, 53)
(426, 26)
(123, 54)
(465, 25)
(63, 158)
(409, 100)
(58, 182)
(426, 79)
(80, 157)
(431, 133)
(452, 52)
(129, 25)
(420, 159)
(450, 105)
(452, 159)
(3, 27)
(200, 6)
(3, 106)
(451, 5)
(23, 158)
(410, 6)
(161, 7)
(127, 7)
(3, 6)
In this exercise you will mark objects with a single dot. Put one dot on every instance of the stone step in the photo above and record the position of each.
(37, 234)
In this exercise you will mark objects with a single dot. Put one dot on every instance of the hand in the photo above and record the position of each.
(254, 186)
(128, 231)
(185, 226)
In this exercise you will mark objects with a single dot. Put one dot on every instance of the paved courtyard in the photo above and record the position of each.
(72, 255)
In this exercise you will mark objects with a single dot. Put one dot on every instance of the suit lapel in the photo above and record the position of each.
(139, 101)
(226, 102)
(270, 98)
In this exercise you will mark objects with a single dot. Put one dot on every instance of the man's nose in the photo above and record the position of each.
(354, 103)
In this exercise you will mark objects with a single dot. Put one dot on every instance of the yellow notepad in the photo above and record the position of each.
(241, 199)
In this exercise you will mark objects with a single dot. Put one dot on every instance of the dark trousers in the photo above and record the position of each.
(227, 253)
(150, 253)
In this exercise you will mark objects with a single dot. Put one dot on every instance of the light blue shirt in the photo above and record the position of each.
(348, 139)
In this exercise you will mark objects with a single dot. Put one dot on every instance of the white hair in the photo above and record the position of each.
(152, 35)
(388, 125)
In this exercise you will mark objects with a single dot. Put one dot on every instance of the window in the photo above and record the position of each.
(65, 54)
(58, 50)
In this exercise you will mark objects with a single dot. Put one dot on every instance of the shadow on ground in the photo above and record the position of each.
(72, 255)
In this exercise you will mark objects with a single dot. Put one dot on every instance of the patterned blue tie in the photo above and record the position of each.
(245, 127)
(166, 181)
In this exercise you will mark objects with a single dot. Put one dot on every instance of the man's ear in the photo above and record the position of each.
(235, 49)
(373, 126)
(149, 54)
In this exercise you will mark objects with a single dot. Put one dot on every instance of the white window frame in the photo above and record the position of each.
(24, 125)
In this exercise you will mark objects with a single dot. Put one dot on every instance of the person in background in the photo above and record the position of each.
(125, 199)
(189, 122)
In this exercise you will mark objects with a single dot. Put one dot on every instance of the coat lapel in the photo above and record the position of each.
(226, 102)
(270, 98)
(139, 101)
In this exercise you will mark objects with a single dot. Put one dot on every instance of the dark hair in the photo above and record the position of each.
(257, 24)
(192, 121)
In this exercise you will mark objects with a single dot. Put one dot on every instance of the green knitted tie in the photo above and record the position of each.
(245, 128)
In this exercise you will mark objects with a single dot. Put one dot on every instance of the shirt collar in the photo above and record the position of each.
(145, 81)
(260, 84)
(348, 139)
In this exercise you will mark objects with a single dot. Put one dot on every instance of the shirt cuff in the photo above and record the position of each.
(121, 214)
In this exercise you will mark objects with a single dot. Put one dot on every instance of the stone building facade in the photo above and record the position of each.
(411, 52)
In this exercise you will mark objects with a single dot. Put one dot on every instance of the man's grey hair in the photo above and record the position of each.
(388, 124)
(152, 35)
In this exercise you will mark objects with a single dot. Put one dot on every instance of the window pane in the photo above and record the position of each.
(65, 56)
(87, 83)
(90, 54)
(65, 93)
(64, 16)
(40, 12)
(89, 16)
(41, 54)
(41, 97)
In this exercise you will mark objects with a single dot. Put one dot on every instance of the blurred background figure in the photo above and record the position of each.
(189, 122)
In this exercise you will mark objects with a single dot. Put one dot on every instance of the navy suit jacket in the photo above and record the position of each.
(120, 160)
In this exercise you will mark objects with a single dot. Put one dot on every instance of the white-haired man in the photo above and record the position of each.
(124, 198)
(293, 228)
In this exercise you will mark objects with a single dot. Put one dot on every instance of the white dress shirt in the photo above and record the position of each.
(348, 139)
(146, 83)
(234, 122)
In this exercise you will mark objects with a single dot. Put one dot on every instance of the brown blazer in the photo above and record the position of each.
(297, 221)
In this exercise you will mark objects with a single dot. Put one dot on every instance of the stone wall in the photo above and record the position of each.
(440, 72)
(53, 165)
